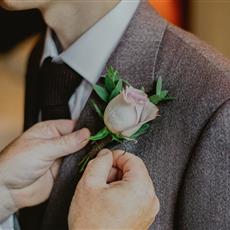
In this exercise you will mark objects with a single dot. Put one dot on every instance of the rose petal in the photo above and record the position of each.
(129, 132)
(149, 112)
(119, 115)
(135, 96)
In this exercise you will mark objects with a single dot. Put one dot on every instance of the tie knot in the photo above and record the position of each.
(58, 82)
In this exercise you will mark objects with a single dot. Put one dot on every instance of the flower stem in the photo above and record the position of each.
(97, 146)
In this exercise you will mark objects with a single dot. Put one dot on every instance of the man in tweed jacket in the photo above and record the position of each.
(187, 148)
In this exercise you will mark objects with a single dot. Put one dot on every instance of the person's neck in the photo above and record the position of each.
(71, 20)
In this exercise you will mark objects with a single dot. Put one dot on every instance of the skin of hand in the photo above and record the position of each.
(29, 165)
(115, 192)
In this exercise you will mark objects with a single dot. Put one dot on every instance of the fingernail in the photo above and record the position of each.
(103, 152)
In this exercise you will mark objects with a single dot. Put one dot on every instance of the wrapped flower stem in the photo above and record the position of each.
(96, 148)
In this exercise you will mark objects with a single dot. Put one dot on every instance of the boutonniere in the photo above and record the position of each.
(126, 114)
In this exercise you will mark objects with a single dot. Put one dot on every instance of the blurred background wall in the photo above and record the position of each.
(208, 19)
(17, 37)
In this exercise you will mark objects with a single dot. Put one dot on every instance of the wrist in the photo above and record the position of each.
(7, 204)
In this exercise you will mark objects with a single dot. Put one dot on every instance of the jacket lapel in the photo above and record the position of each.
(135, 59)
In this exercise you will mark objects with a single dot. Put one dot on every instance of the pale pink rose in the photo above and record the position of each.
(128, 111)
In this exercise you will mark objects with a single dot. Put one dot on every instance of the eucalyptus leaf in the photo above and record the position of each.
(97, 109)
(116, 90)
(159, 86)
(101, 92)
(143, 129)
(100, 134)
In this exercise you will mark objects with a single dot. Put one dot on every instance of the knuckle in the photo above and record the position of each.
(68, 143)
(117, 151)
(47, 127)
(37, 127)
(120, 152)
(39, 124)
(51, 129)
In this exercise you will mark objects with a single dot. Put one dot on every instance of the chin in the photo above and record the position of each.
(21, 4)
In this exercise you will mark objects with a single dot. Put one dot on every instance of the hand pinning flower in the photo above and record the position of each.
(127, 113)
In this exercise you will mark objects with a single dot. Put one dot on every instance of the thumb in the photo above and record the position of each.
(66, 144)
(98, 169)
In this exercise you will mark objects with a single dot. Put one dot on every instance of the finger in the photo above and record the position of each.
(51, 129)
(114, 175)
(55, 168)
(65, 145)
(131, 166)
(98, 169)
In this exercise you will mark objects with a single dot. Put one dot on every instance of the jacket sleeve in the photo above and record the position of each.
(204, 197)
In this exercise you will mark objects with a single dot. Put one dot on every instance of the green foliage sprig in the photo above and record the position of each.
(113, 85)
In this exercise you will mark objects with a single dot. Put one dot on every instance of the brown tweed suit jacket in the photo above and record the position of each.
(187, 150)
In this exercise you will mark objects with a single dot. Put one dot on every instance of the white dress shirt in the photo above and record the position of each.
(8, 223)
(88, 56)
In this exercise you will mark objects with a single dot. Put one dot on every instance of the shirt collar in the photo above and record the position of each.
(90, 53)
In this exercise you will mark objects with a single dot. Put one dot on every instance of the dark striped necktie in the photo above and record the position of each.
(58, 83)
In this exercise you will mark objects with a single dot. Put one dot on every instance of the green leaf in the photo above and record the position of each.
(169, 98)
(130, 139)
(164, 93)
(159, 86)
(117, 138)
(155, 99)
(116, 90)
(143, 129)
(113, 74)
(126, 82)
(101, 92)
(109, 83)
(100, 134)
(161, 95)
(97, 109)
